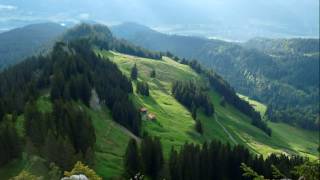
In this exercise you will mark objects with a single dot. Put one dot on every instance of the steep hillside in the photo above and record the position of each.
(86, 102)
(17, 44)
(284, 74)
(284, 46)
(174, 123)
(169, 113)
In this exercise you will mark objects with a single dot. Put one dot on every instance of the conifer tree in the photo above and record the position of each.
(199, 127)
(152, 156)
(132, 159)
(153, 73)
(134, 72)
(10, 141)
(174, 167)
(194, 112)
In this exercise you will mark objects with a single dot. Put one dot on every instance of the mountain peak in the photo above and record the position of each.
(85, 30)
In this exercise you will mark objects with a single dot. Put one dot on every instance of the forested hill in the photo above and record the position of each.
(124, 110)
(61, 131)
(17, 44)
(284, 74)
(285, 46)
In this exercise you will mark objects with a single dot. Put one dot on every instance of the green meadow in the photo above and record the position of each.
(173, 124)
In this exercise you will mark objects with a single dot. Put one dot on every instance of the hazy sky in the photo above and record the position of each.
(300, 14)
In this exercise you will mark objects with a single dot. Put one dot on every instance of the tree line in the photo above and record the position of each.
(228, 93)
(147, 160)
(63, 136)
(101, 36)
(70, 73)
(190, 95)
(221, 161)
(10, 141)
(213, 160)
(75, 75)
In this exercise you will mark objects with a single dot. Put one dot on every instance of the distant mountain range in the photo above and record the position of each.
(284, 73)
(22, 42)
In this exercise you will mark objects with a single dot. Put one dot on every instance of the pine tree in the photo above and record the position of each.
(157, 149)
(199, 127)
(153, 73)
(35, 125)
(57, 87)
(174, 166)
(10, 141)
(85, 90)
(49, 148)
(134, 72)
(132, 159)
(194, 112)
(143, 88)
(152, 156)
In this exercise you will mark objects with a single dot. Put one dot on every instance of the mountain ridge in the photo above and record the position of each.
(17, 44)
(263, 76)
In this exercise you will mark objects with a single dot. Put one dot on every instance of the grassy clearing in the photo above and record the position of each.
(286, 138)
(110, 145)
(175, 125)
(262, 108)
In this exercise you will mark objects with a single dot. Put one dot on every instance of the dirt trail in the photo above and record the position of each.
(125, 130)
(225, 130)
(129, 133)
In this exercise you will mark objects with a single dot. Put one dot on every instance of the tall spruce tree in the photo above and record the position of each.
(174, 165)
(199, 128)
(153, 73)
(10, 142)
(152, 156)
(132, 159)
(134, 72)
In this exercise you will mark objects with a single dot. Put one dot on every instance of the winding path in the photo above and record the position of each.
(225, 130)
(125, 130)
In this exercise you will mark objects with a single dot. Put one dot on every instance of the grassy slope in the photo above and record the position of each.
(299, 140)
(257, 105)
(111, 140)
(175, 125)
(36, 167)
(110, 145)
